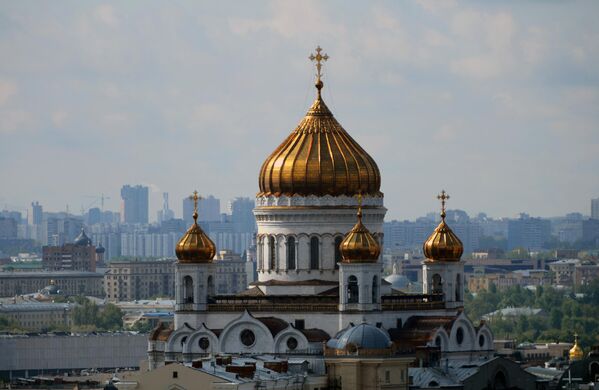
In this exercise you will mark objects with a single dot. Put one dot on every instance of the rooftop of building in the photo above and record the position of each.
(50, 274)
(34, 306)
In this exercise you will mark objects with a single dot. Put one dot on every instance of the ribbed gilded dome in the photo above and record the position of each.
(195, 246)
(359, 245)
(443, 244)
(319, 158)
(576, 352)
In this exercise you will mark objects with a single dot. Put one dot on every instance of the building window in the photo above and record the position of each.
(175, 374)
(459, 335)
(271, 254)
(248, 338)
(314, 260)
(375, 289)
(338, 257)
(458, 288)
(387, 376)
(291, 253)
(291, 343)
(352, 290)
(437, 284)
(204, 343)
(481, 341)
(187, 289)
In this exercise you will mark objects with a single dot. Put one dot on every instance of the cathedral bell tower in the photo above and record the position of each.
(359, 269)
(194, 272)
(442, 271)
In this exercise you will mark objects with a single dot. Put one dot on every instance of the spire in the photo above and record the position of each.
(195, 199)
(443, 196)
(318, 58)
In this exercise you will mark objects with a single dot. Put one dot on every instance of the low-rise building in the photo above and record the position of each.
(503, 281)
(34, 354)
(513, 312)
(135, 280)
(585, 273)
(231, 273)
(37, 317)
(69, 282)
(563, 271)
(77, 256)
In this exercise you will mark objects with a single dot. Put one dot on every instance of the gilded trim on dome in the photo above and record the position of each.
(443, 244)
(319, 158)
(359, 245)
(195, 246)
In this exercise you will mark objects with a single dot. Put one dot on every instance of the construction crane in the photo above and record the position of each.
(97, 198)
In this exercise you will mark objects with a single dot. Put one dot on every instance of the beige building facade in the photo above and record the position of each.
(135, 280)
(69, 282)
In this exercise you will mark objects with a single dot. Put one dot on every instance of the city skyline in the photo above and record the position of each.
(514, 121)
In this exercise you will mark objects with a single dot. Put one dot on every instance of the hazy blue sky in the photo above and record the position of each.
(497, 102)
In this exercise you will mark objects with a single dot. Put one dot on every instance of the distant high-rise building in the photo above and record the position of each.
(529, 233)
(209, 209)
(242, 214)
(59, 228)
(595, 208)
(8, 228)
(135, 204)
(590, 231)
(35, 214)
(94, 215)
(166, 213)
(188, 210)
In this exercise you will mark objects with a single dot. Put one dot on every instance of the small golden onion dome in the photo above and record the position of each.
(359, 245)
(319, 158)
(195, 246)
(576, 352)
(443, 244)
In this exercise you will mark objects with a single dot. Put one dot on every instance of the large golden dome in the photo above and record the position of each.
(443, 244)
(319, 158)
(195, 246)
(359, 245)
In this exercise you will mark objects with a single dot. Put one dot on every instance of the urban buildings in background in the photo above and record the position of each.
(135, 203)
(595, 208)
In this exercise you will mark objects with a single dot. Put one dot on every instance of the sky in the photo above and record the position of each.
(495, 102)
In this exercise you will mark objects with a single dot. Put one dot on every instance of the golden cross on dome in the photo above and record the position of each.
(195, 197)
(443, 197)
(360, 205)
(319, 58)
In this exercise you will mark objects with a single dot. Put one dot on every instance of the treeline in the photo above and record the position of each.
(87, 316)
(565, 313)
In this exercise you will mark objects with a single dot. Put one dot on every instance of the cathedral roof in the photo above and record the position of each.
(274, 324)
(195, 246)
(576, 352)
(359, 245)
(363, 336)
(315, 335)
(443, 244)
(319, 158)
(82, 239)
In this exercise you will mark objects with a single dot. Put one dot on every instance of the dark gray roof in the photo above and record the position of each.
(364, 336)
(82, 239)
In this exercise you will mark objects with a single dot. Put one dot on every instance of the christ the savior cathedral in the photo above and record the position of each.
(320, 290)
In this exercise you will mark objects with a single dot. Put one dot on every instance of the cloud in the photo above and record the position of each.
(105, 14)
(7, 90)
